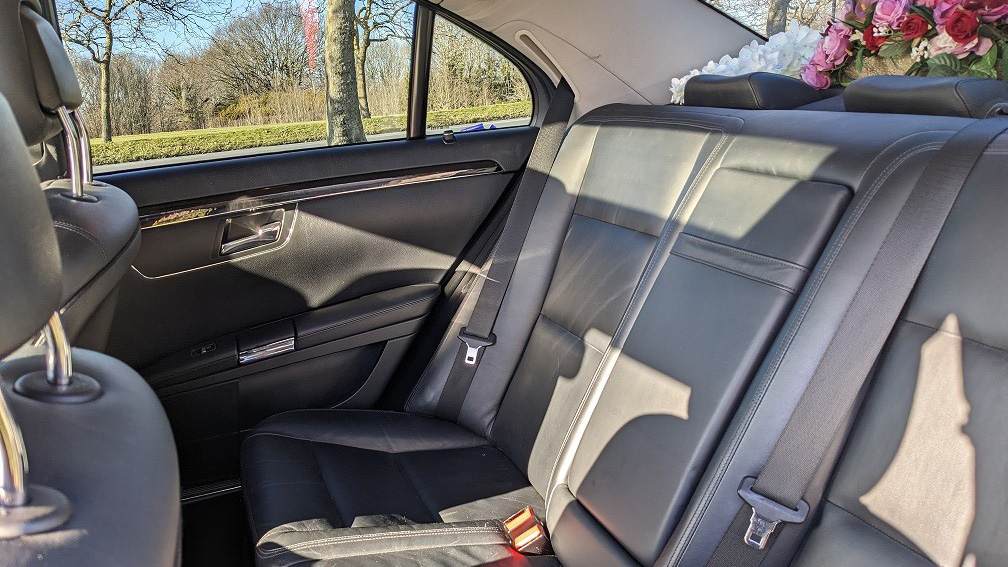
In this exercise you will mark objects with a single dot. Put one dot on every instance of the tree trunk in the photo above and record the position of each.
(360, 57)
(105, 97)
(342, 108)
(777, 16)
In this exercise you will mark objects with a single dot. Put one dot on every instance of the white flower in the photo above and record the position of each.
(784, 53)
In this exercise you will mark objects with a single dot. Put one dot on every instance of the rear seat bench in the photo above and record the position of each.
(664, 259)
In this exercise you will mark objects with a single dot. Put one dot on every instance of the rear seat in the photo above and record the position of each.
(716, 219)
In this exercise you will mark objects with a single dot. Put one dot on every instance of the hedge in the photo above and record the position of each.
(190, 142)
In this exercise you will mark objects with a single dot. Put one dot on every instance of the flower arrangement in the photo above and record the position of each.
(921, 37)
(786, 53)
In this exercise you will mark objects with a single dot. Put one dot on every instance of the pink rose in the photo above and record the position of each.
(943, 10)
(926, 3)
(989, 10)
(814, 78)
(890, 12)
(943, 43)
(835, 44)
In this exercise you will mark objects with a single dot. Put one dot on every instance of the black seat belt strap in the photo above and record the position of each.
(477, 335)
(775, 496)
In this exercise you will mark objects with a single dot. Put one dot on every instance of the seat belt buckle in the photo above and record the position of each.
(474, 344)
(526, 533)
(767, 514)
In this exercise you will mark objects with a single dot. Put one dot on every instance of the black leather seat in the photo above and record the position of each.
(684, 263)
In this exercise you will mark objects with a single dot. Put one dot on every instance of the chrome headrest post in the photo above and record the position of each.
(73, 152)
(59, 366)
(13, 460)
(84, 141)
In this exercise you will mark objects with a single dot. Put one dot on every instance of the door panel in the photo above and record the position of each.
(367, 235)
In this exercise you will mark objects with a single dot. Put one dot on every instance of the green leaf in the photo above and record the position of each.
(894, 49)
(859, 60)
(916, 68)
(945, 60)
(928, 15)
(941, 71)
(856, 24)
(989, 59)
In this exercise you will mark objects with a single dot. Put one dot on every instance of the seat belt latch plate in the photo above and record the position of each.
(474, 344)
(526, 533)
(767, 514)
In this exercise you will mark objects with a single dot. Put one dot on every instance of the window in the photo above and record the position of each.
(767, 17)
(472, 85)
(193, 77)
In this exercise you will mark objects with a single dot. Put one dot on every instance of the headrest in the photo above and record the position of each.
(752, 91)
(970, 97)
(29, 257)
(27, 80)
(55, 79)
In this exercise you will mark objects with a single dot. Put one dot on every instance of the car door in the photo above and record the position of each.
(286, 261)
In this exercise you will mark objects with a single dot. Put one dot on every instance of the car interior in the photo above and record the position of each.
(763, 327)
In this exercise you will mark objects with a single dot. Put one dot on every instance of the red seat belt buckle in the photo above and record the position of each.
(526, 533)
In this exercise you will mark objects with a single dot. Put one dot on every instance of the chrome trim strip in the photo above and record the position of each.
(283, 346)
(249, 204)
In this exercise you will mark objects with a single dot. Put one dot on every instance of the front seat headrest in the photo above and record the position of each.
(55, 80)
(752, 91)
(970, 97)
(29, 257)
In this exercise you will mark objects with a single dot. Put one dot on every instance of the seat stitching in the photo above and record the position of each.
(974, 342)
(764, 383)
(729, 249)
(372, 537)
(325, 484)
(649, 267)
(735, 271)
(87, 235)
(427, 508)
(571, 333)
(874, 527)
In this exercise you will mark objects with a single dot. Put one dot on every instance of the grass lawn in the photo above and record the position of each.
(190, 142)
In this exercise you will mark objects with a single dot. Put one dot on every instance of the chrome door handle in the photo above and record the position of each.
(266, 234)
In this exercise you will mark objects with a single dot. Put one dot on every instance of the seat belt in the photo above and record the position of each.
(775, 495)
(478, 333)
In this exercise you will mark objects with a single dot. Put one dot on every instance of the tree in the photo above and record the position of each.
(343, 113)
(262, 52)
(102, 26)
(777, 16)
(377, 21)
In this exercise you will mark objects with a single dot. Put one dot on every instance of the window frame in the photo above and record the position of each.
(540, 89)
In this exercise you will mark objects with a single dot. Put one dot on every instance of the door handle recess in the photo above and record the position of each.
(252, 231)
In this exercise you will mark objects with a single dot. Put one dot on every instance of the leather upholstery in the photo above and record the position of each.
(17, 77)
(113, 457)
(351, 468)
(98, 240)
(55, 80)
(29, 258)
(649, 363)
(969, 97)
(751, 91)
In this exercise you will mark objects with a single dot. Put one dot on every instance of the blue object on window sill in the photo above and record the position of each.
(477, 128)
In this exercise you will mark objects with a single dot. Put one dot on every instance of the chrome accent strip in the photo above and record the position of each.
(59, 365)
(204, 492)
(283, 346)
(267, 234)
(249, 204)
(73, 151)
(84, 140)
(13, 460)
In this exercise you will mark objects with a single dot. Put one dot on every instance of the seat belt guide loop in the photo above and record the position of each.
(474, 344)
(767, 514)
